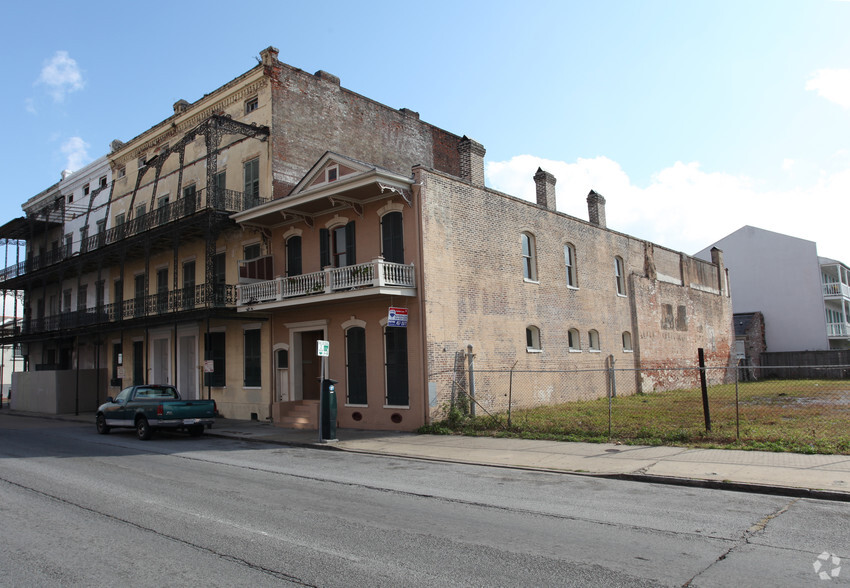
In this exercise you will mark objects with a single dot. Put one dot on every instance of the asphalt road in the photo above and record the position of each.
(79, 509)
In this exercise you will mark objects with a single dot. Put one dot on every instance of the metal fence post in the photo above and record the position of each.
(471, 359)
(737, 407)
(704, 386)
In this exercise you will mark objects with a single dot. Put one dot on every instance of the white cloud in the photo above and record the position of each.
(61, 75)
(832, 84)
(76, 152)
(29, 105)
(684, 207)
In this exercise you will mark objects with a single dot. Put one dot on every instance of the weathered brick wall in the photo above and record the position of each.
(475, 292)
(313, 114)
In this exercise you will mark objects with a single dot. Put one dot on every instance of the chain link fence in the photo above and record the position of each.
(668, 405)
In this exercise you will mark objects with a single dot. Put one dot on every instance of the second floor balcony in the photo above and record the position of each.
(164, 305)
(375, 277)
(838, 330)
(836, 289)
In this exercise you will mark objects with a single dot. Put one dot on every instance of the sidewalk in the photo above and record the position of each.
(789, 474)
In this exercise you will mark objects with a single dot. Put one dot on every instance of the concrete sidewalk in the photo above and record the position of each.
(791, 474)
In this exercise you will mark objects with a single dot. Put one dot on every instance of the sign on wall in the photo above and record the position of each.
(397, 317)
(323, 348)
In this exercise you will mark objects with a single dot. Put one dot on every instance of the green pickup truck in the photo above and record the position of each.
(150, 407)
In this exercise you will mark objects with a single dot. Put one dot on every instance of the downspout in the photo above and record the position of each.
(420, 287)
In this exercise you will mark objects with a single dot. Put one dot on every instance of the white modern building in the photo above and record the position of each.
(805, 299)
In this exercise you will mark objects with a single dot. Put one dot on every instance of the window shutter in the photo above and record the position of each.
(392, 240)
(324, 248)
(349, 244)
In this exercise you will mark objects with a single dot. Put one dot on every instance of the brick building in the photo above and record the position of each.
(282, 209)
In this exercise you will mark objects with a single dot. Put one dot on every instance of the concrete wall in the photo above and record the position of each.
(58, 392)
(779, 276)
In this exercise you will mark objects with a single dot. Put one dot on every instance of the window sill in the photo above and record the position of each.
(621, 295)
(529, 281)
(530, 350)
(628, 350)
(594, 351)
(397, 407)
(252, 387)
(575, 350)
(356, 405)
(572, 287)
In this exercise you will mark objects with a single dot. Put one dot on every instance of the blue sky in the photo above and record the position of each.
(693, 118)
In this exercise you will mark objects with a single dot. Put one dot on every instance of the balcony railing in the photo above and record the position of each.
(161, 303)
(838, 329)
(374, 274)
(218, 199)
(836, 289)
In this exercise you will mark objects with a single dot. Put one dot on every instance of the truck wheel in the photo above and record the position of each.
(196, 430)
(100, 423)
(143, 429)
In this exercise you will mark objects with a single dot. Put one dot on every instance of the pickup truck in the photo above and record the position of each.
(150, 407)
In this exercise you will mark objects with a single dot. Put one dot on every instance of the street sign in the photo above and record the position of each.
(397, 317)
(323, 348)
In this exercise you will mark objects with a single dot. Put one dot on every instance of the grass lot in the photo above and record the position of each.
(805, 416)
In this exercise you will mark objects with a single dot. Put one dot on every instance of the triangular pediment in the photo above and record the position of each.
(329, 169)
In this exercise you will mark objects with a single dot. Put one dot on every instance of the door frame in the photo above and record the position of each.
(296, 385)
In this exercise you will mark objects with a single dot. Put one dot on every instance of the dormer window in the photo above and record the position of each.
(332, 173)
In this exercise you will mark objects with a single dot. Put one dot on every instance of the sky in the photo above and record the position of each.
(692, 118)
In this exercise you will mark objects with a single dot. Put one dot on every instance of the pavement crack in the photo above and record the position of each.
(748, 533)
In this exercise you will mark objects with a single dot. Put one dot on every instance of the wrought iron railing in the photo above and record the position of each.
(217, 199)
(374, 274)
(162, 303)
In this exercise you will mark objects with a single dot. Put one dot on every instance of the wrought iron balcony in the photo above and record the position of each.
(374, 274)
(218, 199)
(200, 297)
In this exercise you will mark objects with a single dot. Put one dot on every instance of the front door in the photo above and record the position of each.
(187, 368)
(311, 366)
(160, 361)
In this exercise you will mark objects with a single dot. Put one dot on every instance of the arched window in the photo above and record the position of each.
(570, 262)
(574, 340)
(529, 257)
(627, 341)
(593, 340)
(392, 237)
(620, 275)
(293, 256)
(532, 338)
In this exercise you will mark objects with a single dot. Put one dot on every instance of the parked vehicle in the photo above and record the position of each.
(149, 407)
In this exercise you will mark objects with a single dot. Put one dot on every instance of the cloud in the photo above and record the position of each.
(29, 105)
(684, 207)
(76, 152)
(61, 75)
(832, 84)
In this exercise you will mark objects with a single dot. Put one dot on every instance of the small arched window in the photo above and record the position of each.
(532, 338)
(627, 341)
(574, 340)
(593, 340)
(529, 257)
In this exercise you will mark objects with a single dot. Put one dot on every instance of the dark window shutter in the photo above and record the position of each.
(355, 338)
(392, 237)
(349, 244)
(396, 350)
(324, 248)
(293, 256)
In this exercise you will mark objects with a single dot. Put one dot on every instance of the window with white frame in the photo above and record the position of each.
(627, 341)
(620, 275)
(529, 257)
(570, 261)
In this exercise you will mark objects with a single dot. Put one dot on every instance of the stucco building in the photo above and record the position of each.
(804, 298)
(283, 209)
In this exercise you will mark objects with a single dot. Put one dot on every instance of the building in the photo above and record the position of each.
(283, 209)
(804, 299)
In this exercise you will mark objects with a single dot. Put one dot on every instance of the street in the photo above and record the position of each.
(81, 509)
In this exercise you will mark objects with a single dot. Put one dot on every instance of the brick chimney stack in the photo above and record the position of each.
(596, 209)
(545, 189)
(471, 160)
